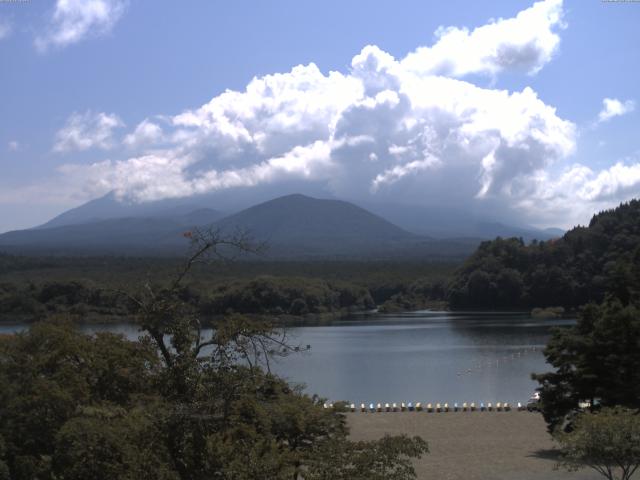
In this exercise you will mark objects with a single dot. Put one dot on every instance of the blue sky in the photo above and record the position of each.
(102, 95)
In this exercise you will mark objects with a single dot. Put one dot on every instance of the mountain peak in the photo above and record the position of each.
(293, 196)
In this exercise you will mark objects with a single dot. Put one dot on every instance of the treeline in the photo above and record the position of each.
(90, 288)
(285, 295)
(263, 296)
(420, 294)
(581, 267)
(33, 301)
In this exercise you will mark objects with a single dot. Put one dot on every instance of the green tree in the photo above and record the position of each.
(235, 419)
(174, 405)
(105, 443)
(607, 441)
(386, 459)
(597, 360)
(584, 265)
(4, 468)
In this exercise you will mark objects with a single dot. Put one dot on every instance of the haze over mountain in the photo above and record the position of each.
(435, 221)
(109, 207)
(449, 222)
(301, 225)
(293, 226)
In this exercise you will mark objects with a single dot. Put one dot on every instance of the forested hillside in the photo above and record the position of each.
(87, 288)
(582, 266)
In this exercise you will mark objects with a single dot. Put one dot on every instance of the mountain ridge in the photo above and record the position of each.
(294, 226)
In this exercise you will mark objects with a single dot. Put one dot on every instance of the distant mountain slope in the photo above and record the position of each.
(450, 222)
(131, 235)
(115, 236)
(298, 218)
(293, 226)
(109, 207)
(301, 226)
(582, 266)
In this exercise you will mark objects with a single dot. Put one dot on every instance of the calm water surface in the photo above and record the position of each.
(420, 356)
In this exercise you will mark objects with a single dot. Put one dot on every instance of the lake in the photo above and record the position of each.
(413, 357)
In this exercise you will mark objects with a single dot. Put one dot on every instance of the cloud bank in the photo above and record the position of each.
(75, 20)
(413, 130)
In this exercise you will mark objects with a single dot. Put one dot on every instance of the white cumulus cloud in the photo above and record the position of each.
(412, 124)
(612, 107)
(409, 130)
(526, 43)
(83, 131)
(579, 191)
(75, 20)
(420, 126)
(145, 133)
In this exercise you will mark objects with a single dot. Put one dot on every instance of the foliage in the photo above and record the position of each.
(57, 298)
(386, 459)
(173, 405)
(294, 296)
(582, 266)
(420, 294)
(266, 288)
(607, 441)
(598, 359)
(49, 373)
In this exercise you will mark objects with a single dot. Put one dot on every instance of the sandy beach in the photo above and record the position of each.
(473, 446)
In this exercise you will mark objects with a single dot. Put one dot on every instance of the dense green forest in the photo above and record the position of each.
(582, 266)
(90, 288)
(596, 362)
